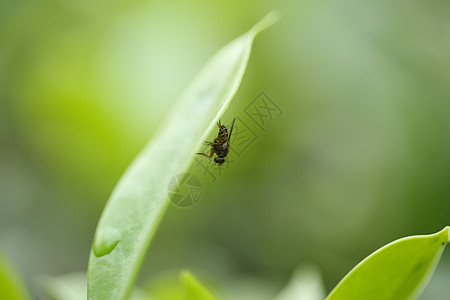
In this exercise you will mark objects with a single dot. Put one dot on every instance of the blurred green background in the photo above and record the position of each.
(360, 156)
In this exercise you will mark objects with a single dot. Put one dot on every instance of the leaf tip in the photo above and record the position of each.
(185, 274)
(270, 19)
(447, 231)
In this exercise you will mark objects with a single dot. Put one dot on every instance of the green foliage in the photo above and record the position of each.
(11, 287)
(140, 199)
(72, 286)
(399, 270)
(173, 285)
(363, 138)
(194, 289)
(305, 284)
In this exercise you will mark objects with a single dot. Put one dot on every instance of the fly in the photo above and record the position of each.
(221, 144)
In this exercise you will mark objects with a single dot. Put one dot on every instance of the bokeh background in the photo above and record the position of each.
(360, 156)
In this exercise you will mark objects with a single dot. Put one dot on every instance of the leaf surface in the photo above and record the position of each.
(194, 289)
(399, 270)
(140, 199)
(11, 286)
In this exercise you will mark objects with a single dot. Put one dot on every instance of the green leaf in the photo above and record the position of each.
(11, 286)
(399, 270)
(171, 285)
(140, 199)
(72, 286)
(306, 284)
(194, 290)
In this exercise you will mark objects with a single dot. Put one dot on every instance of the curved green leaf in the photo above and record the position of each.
(11, 286)
(194, 289)
(140, 199)
(72, 286)
(399, 270)
(305, 284)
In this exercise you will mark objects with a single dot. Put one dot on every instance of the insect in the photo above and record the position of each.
(221, 144)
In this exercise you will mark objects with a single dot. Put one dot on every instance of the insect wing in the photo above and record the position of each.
(231, 131)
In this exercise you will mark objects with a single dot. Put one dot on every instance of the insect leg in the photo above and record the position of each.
(221, 139)
(212, 153)
(223, 132)
(205, 155)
